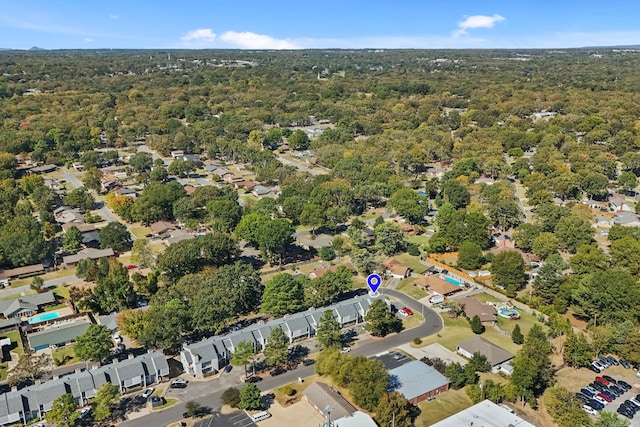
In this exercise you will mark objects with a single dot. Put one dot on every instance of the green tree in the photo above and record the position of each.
(476, 325)
(95, 344)
(37, 283)
(250, 397)
(625, 253)
(394, 409)
(165, 325)
(610, 419)
(516, 335)
(79, 198)
(323, 290)
(577, 351)
(283, 294)
(29, 369)
(275, 350)
(328, 332)
(507, 269)
(573, 231)
(72, 240)
(327, 253)
(630, 349)
(313, 215)
(105, 397)
(22, 242)
(455, 373)
(116, 236)
(389, 238)
(225, 214)
(456, 194)
(524, 236)
(532, 369)
(545, 244)
(470, 256)
(298, 140)
(63, 411)
(380, 320)
(193, 408)
(408, 204)
(547, 284)
(141, 253)
(243, 354)
(565, 408)
(141, 161)
(92, 179)
(589, 258)
(628, 181)
(275, 236)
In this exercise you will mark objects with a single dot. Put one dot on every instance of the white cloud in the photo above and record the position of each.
(202, 35)
(477, 21)
(88, 40)
(249, 40)
(114, 16)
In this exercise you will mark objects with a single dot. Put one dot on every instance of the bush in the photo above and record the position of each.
(417, 341)
(288, 390)
(327, 253)
(231, 397)
(476, 325)
(413, 250)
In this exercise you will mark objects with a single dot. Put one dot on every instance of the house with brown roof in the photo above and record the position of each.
(162, 227)
(81, 226)
(319, 272)
(396, 269)
(27, 270)
(496, 355)
(88, 253)
(247, 185)
(472, 307)
(434, 283)
(189, 189)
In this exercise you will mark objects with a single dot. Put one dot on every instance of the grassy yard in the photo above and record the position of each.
(411, 261)
(140, 231)
(170, 401)
(421, 240)
(299, 388)
(16, 342)
(412, 321)
(55, 307)
(445, 405)
(64, 356)
(61, 291)
(410, 288)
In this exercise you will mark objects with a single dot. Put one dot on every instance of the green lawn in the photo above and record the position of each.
(412, 321)
(65, 272)
(16, 342)
(62, 291)
(170, 402)
(55, 307)
(421, 240)
(445, 405)
(410, 288)
(140, 231)
(65, 354)
(411, 261)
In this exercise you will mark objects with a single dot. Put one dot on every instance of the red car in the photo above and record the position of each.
(131, 266)
(602, 381)
(407, 311)
(605, 397)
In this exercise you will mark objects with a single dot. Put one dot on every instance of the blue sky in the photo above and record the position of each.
(285, 24)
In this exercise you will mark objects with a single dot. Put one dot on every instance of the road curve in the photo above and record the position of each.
(210, 396)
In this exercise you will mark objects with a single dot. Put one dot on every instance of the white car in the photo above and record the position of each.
(148, 392)
(589, 410)
(601, 400)
(345, 350)
(84, 412)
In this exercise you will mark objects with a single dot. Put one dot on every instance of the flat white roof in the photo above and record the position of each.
(485, 414)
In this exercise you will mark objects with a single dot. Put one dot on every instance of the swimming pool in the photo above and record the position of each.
(452, 280)
(509, 313)
(44, 317)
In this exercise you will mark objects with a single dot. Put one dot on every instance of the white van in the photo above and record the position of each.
(260, 416)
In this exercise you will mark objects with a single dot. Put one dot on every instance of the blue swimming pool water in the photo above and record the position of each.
(508, 312)
(44, 317)
(452, 280)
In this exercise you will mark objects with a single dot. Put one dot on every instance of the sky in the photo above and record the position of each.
(299, 24)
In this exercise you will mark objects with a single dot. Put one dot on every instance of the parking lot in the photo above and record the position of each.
(627, 375)
(235, 419)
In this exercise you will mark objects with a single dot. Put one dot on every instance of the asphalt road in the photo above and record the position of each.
(207, 393)
(299, 166)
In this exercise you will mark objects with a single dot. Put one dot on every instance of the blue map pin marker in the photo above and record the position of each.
(374, 281)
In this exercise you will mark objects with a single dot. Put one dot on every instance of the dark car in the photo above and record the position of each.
(617, 389)
(594, 369)
(625, 385)
(582, 398)
(595, 404)
(587, 393)
(612, 360)
(610, 379)
(277, 371)
(624, 363)
(597, 386)
(625, 412)
(253, 380)
(308, 362)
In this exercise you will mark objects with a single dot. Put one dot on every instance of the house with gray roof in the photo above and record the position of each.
(58, 334)
(212, 354)
(25, 306)
(417, 381)
(33, 402)
(496, 355)
(88, 253)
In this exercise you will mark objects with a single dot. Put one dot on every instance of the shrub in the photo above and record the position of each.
(288, 390)
(413, 250)
(327, 253)
(231, 397)
(417, 341)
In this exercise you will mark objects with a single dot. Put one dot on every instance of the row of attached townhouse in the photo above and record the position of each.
(212, 354)
(33, 402)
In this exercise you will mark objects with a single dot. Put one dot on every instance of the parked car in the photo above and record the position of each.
(597, 386)
(625, 364)
(610, 379)
(625, 385)
(612, 360)
(278, 371)
(84, 412)
(617, 389)
(594, 369)
(179, 383)
(604, 362)
(582, 397)
(407, 311)
(587, 392)
(602, 380)
(148, 392)
(589, 410)
(604, 397)
(596, 364)
(599, 399)
(595, 404)
(308, 362)
(345, 350)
